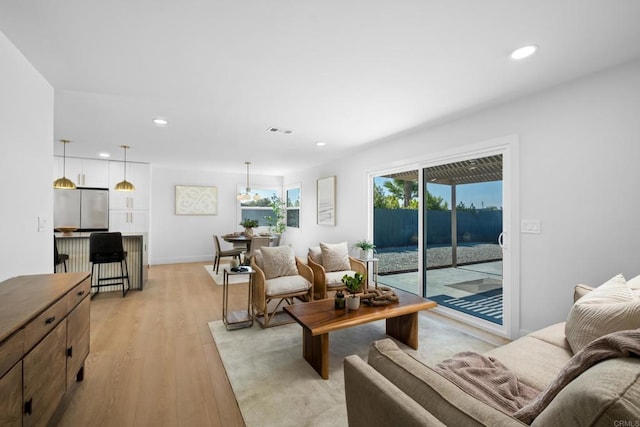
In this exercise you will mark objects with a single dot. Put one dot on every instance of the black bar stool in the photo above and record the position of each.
(106, 248)
(58, 258)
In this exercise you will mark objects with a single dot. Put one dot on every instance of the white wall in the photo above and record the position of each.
(26, 150)
(579, 175)
(188, 238)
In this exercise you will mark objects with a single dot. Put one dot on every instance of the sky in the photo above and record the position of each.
(482, 195)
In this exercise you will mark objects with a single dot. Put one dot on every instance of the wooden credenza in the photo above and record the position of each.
(44, 341)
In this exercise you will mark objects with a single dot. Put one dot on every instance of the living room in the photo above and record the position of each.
(576, 173)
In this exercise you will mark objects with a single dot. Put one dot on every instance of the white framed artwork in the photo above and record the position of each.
(196, 200)
(327, 201)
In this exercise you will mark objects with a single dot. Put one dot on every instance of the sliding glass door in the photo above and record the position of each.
(463, 223)
(395, 229)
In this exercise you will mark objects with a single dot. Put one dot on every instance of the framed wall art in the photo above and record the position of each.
(196, 200)
(327, 201)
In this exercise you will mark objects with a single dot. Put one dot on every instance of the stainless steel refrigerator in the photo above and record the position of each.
(85, 208)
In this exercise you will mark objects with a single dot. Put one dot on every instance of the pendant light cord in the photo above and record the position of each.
(64, 159)
(248, 186)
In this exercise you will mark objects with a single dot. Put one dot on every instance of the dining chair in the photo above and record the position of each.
(232, 253)
(256, 243)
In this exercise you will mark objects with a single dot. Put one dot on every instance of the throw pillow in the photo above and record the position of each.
(634, 283)
(335, 256)
(608, 308)
(278, 261)
(315, 254)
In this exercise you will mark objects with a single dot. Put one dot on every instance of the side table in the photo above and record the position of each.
(236, 319)
(374, 269)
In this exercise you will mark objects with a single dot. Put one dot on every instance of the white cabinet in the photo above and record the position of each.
(83, 172)
(138, 174)
(129, 210)
(128, 221)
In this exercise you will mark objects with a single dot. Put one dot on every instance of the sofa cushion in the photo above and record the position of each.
(606, 393)
(553, 334)
(278, 261)
(286, 285)
(609, 308)
(335, 256)
(581, 290)
(436, 394)
(535, 361)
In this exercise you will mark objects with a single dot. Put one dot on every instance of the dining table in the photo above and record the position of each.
(243, 240)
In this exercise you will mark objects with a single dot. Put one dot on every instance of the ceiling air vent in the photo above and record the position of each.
(274, 129)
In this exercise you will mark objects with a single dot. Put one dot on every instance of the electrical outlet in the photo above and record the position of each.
(531, 226)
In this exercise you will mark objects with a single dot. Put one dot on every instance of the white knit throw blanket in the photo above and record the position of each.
(490, 381)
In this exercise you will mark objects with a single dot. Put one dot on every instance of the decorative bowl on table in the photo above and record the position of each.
(265, 234)
(66, 231)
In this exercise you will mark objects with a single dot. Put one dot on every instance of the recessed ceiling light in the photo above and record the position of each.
(321, 144)
(103, 154)
(160, 122)
(523, 52)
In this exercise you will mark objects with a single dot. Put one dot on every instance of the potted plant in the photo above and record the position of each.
(248, 225)
(353, 284)
(278, 221)
(366, 248)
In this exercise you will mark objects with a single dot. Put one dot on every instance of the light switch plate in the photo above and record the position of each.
(42, 224)
(530, 226)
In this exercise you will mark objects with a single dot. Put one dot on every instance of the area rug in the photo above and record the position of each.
(218, 278)
(274, 385)
(485, 305)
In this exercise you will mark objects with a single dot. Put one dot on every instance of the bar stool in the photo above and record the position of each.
(58, 258)
(106, 248)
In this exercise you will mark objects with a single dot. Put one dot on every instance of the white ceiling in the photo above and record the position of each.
(346, 72)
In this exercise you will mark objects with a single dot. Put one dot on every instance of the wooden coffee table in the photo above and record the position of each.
(318, 318)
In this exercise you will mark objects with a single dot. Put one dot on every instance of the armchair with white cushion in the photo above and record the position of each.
(280, 278)
(330, 262)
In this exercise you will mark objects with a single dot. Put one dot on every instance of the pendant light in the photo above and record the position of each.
(64, 182)
(125, 185)
(246, 196)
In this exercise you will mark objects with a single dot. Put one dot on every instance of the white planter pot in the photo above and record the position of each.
(353, 302)
(366, 254)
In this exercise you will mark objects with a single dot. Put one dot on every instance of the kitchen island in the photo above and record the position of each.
(76, 245)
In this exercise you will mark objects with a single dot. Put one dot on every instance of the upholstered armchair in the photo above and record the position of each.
(280, 278)
(329, 262)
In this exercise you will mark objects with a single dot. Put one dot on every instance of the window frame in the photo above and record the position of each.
(262, 190)
(293, 208)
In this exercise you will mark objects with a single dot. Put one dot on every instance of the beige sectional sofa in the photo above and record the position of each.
(394, 388)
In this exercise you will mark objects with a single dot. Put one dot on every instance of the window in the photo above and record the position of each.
(293, 207)
(258, 209)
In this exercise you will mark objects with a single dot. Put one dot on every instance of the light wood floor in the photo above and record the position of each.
(153, 361)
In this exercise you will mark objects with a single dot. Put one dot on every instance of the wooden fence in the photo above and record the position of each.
(399, 227)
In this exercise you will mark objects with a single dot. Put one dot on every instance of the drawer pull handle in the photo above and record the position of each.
(70, 352)
(28, 406)
(50, 320)
(80, 293)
